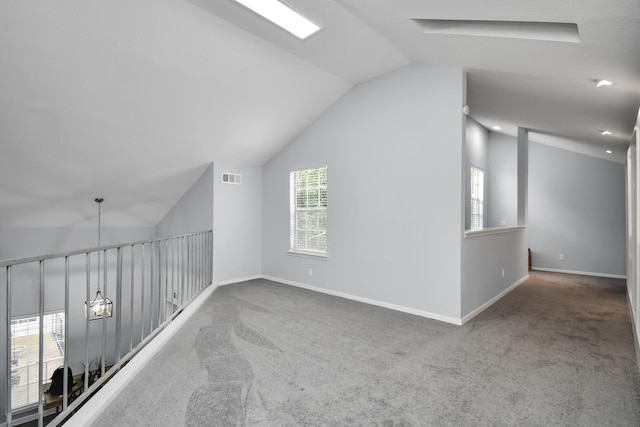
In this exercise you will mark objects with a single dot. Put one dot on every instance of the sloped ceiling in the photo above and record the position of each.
(132, 100)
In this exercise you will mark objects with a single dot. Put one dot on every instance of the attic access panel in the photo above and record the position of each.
(548, 31)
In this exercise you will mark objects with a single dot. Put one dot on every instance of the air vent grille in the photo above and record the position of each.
(231, 178)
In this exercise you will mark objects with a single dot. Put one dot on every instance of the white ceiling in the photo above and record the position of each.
(132, 100)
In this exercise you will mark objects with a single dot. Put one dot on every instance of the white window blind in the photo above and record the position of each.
(25, 342)
(308, 209)
(477, 198)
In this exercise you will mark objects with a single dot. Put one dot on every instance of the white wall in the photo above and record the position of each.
(576, 208)
(393, 147)
(193, 212)
(237, 230)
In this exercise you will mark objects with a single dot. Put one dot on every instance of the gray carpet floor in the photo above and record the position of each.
(557, 351)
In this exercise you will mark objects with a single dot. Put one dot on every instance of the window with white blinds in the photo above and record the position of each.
(308, 209)
(25, 354)
(477, 198)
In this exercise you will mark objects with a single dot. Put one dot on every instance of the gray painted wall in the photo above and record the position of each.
(393, 147)
(193, 212)
(496, 155)
(477, 139)
(237, 231)
(25, 242)
(576, 205)
(484, 258)
(502, 180)
(233, 211)
(577, 208)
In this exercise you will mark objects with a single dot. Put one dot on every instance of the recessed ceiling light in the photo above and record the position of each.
(282, 16)
(496, 127)
(606, 132)
(603, 82)
(609, 152)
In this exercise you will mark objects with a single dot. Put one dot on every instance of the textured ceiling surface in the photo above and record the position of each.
(132, 100)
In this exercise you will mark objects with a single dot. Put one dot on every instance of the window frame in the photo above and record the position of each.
(53, 323)
(319, 250)
(476, 194)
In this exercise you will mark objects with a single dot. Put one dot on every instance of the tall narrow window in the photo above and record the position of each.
(308, 209)
(477, 198)
(25, 349)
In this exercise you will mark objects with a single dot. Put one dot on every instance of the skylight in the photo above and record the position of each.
(283, 16)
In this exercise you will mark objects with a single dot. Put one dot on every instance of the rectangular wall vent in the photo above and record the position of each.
(231, 178)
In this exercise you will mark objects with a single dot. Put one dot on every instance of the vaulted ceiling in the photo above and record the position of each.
(131, 100)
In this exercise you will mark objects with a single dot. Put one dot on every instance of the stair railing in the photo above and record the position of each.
(153, 280)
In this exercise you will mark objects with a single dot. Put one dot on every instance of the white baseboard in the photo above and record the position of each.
(493, 300)
(90, 411)
(581, 273)
(238, 280)
(395, 307)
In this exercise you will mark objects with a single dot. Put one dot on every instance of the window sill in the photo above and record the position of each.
(492, 230)
(313, 255)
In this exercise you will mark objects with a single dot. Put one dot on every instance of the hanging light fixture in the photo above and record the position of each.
(100, 307)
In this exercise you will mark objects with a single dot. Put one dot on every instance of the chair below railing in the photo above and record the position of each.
(47, 298)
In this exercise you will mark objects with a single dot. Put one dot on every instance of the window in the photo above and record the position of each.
(477, 198)
(308, 209)
(25, 350)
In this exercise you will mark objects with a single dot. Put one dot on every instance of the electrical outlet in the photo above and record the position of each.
(561, 257)
(503, 272)
(311, 272)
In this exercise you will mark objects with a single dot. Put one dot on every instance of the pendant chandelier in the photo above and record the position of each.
(100, 307)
